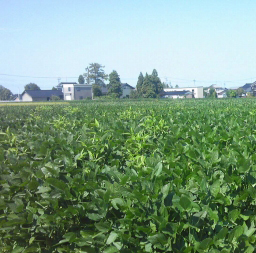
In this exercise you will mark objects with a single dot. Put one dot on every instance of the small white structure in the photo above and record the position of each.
(197, 92)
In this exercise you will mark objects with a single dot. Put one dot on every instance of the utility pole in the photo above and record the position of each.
(87, 78)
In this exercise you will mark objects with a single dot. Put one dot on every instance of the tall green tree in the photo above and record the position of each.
(158, 86)
(81, 79)
(95, 74)
(114, 86)
(5, 94)
(150, 85)
(140, 83)
(32, 86)
(148, 88)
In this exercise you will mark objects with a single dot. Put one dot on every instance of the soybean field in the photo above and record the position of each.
(128, 176)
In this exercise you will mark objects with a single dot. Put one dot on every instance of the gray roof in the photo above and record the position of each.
(67, 83)
(176, 93)
(43, 93)
(127, 85)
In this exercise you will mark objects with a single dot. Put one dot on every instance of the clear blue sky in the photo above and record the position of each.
(210, 41)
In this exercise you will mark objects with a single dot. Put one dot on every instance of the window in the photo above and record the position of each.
(69, 88)
(78, 89)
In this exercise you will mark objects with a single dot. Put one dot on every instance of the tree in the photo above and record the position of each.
(32, 86)
(176, 86)
(151, 85)
(95, 75)
(5, 94)
(231, 93)
(114, 86)
(240, 92)
(54, 88)
(81, 79)
(96, 90)
(158, 86)
(140, 83)
(134, 94)
(148, 89)
(55, 98)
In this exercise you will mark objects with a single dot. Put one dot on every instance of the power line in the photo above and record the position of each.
(131, 78)
(50, 77)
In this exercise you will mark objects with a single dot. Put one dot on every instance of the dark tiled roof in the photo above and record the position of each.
(176, 93)
(67, 83)
(43, 93)
(128, 85)
(246, 86)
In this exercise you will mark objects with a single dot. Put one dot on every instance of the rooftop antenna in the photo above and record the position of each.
(59, 80)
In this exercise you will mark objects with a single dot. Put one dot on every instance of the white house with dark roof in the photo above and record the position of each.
(198, 92)
(75, 91)
(127, 89)
(177, 94)
(40, 95)
(248, 87)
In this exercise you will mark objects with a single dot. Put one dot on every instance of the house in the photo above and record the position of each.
(127, 89)
(40, 95)
(197, 92)
(75, 91)
(249, 87)
(222, 93)
(176, 94)
(253, 87)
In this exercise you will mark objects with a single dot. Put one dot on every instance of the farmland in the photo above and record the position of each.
(131, 176)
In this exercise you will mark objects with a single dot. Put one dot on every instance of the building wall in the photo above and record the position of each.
(198, 91)
(68, 90)
(82, 92)
(41, 99)
(126, 92)
(26, 98)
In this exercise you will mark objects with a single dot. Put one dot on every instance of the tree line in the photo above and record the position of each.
(149, 86)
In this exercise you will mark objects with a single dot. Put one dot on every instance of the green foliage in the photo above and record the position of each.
(231, 93)
(55, 98)
(128, 176)
(140, 83)
(240, 92)
(114, 86)
(149, 86)
(95, 75)
(81, 79)
(96, 90)
(5, 94)
(54, 88)
(32, 86)
(134, 94)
